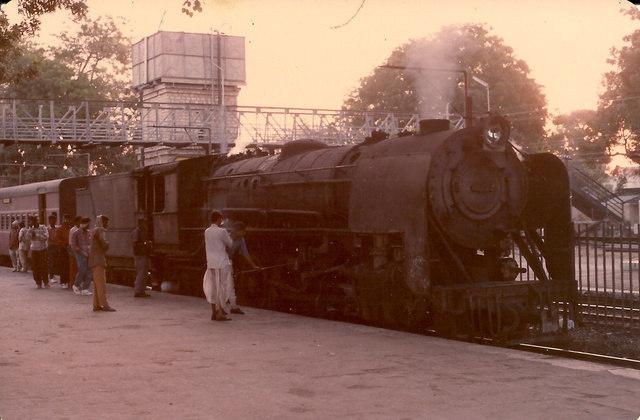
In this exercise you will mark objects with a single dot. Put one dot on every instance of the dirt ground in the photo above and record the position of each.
(601, 340)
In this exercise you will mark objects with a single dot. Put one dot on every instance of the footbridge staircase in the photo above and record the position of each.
(594, 199)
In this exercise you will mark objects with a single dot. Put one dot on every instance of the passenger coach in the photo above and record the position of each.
(40, 199)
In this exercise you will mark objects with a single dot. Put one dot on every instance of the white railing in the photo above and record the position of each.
(179, 125)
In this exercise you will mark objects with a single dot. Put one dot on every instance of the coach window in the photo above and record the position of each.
(42, 208)
(158, 194)
(142, 194)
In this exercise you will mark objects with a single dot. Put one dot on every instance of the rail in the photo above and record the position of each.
(580, 355)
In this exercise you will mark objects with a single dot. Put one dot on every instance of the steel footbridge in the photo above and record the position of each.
(85, 124)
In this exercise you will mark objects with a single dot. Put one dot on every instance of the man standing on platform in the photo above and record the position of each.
(98, 263)
(73, 264)
(81, 244)
(141, 253)
(219, 272)
(14, 245)
(238, 249)
(39, 236)
(53, 248)
(62, 239)
(25, 245)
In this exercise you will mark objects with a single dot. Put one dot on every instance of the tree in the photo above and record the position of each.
(619, 104)
(12, 34)
(99, 52)
(88, 66)
(576, 137)
(91, 64)
(469, 47)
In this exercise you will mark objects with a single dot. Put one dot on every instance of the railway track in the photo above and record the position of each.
(578, 355)
(616, 316)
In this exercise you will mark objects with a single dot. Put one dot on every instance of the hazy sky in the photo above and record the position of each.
(296, 57)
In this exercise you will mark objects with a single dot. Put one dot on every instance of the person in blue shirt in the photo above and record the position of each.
(238, 248)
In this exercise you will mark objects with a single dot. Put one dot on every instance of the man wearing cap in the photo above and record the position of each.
(81, 244)
(62, 239)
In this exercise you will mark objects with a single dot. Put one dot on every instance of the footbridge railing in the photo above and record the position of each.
(179, 125)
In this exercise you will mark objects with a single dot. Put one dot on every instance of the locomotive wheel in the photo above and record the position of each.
(248, 284)
(320, 306)
(370, 303)
(453, 325)
(511, 322)
(444, 325)
(400, 310)
(269, 290)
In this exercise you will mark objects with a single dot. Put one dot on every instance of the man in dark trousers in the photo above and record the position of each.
(81, 244)
(53, 248)
(62, 239)
(39, 238)
(238, 249)
(14, 245)
(141, 252)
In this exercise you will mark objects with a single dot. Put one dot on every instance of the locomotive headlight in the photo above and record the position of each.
(495, 133)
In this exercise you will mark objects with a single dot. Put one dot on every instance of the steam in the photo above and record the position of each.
(437, 82)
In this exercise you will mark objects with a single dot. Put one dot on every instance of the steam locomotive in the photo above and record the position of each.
(432, 229)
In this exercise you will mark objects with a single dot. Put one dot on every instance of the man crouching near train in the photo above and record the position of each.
(219, 271)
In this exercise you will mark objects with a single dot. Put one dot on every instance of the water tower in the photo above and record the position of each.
(188, 80)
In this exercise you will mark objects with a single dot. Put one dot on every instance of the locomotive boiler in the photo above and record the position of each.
(429, 230)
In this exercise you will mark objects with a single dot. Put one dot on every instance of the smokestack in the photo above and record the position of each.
(433, 126)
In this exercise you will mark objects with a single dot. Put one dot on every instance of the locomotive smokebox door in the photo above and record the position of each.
(475, 192)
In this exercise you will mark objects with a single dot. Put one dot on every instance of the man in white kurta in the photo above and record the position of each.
(219, 271)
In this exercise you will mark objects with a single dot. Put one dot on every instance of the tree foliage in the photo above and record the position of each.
(619, 104)
(11, 34)
(590, 139)
(191, 6)
(99, 50)
(88, 66)
(431, 92)
(576, 138)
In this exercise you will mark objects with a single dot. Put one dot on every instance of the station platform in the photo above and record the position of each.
(163, 358)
